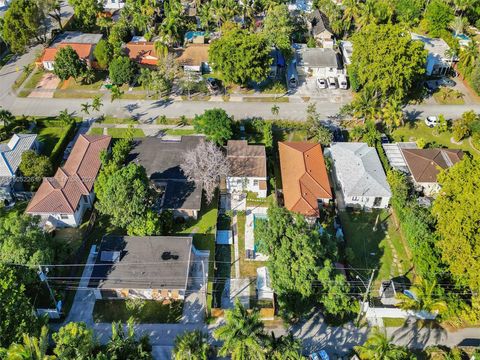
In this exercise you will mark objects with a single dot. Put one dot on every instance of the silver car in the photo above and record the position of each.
(322, 83)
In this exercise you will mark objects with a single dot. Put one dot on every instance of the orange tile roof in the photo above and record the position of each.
(304, 177)
(62, 193)
(83, 51)
(142, 52)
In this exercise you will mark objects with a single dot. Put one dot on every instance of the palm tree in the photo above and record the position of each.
(65, 118)
(6, 117)
(191, 345)
(379, 347)
(242, 335)
(275, 110)
(285, 347)
(426, 298)
(97, 103)
(116, 93)
(86, 108)
(392, 114)
(458, 25)
(89, 76)
(33, 348)
(468, 56)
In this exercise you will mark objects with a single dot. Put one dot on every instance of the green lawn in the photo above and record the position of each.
(62, 94)
(122, 133)
(100, 77)
(34, 79)
(151, 312)
(180, 132)
(414, 130)
(393, 322)
(254, 200)
(382, 249)
(272, 99)
(113, 120)
(49, 136)
(96, 131)
(448, 96)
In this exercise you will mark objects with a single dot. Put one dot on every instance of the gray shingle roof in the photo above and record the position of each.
(11, 153)
(359, 170)
(317, 57)
(140, 264)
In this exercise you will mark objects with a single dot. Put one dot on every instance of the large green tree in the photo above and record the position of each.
(242, 335)
(103, 52)
(240, 56)
(457, 211)
(86, 12)
(22, 241)
(35, 167)
(408, 11)
(215, 124)
(386, 62)
(124, 345)
(74, 341)
(125, 196)
(16, 311)
(122, 70)
(438, 16)
(23, 23)
(68, 64)
(278, 28)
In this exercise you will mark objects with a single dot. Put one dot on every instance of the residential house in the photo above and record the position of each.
(195, 58)
(317, 62)
(146, 267)
(10, 159)
(439, 58)
(395, 158)
(347, 51)
(425, 164)
(248, 168)
(62, 200)
(306, 187)
(162, 160)
(83, 44)
(300, 5)
(359, 176)
(319, 28)
(4, 3)
(142, 52)
(112, 5)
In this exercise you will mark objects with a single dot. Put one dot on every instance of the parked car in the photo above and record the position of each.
(332, 83)
(213, 84)
(320, 355)
(431, 121)
(384, 139)
(446, 82)
(342, 82)
(322, 83)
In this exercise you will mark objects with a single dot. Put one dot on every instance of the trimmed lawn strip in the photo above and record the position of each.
(254, 200)
(122, 133)
(414, 130)
(375, 249)
(266, 99)
(49, 136)
(100, 77)
(393, 322)
(96, 131)
(113, 120)
(22, 77)
(152, 312)
(66, 94)
(34, 79)
(248, 268)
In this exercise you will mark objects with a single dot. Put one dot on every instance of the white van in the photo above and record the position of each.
(342, 82)
(332, 83)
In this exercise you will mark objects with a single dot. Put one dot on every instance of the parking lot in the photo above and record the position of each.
(308, 87)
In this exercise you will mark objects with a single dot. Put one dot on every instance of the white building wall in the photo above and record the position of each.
(366, 202)
(48, 65)
(244, 184)
(114, 4)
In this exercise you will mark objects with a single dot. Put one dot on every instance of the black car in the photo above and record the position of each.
(213, 84)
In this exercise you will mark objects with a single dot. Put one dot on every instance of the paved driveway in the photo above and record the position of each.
(46, 86)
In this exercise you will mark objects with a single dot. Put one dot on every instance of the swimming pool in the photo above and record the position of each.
(462, 37)
(258, 217)
(189, 35)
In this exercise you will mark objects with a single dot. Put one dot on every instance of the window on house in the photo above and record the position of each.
(255, 182)
(63, 216)
(377, 201)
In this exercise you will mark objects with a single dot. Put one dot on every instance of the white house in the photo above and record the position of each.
(61, 201)
(248, 168)
(4, 3)
(10, 159)
(113, 4)
(439, 58)
(347, 51)
(359, 175)
(317, 62)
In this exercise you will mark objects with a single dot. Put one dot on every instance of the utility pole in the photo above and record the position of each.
(365, 297)
(44, 278)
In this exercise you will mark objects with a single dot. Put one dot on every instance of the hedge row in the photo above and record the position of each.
(57, 152)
